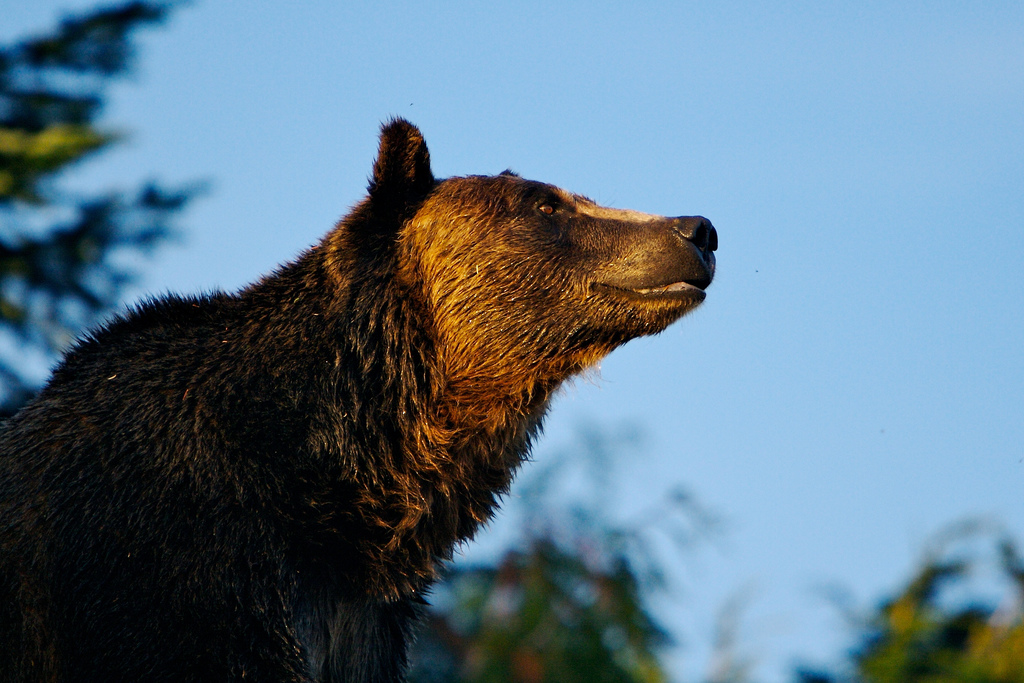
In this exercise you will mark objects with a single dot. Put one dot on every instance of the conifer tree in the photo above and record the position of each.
(61, 253)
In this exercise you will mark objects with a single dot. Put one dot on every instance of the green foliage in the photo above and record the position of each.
(542, 614)
(62, 256)
(568, 602)
(917, 637)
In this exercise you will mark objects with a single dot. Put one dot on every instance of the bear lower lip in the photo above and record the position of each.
(683, 291)
(674, 287)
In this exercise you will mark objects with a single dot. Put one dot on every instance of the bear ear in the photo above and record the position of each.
(401, 175)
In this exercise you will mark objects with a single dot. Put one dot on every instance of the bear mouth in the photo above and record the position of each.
(679, 291)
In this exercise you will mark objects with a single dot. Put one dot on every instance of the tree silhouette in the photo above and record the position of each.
(62, 255)
(922, 635)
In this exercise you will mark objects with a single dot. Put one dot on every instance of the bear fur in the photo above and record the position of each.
(262, 485)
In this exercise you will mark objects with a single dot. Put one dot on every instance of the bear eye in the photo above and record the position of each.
(547, 208)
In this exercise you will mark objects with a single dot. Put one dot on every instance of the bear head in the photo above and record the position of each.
(519, 284)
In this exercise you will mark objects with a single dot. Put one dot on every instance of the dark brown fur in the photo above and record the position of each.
(262, 485)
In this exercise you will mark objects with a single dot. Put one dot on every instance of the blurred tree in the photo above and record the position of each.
(543, 613)
(917, 637)
(63, 256)
(567, 602)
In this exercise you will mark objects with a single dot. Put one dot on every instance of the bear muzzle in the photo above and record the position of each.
(671, 258)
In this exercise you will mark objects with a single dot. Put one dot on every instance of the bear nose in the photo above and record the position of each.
(698, 230)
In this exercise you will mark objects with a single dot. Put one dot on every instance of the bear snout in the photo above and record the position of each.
(671, 258)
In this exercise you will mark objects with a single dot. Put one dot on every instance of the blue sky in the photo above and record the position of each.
(855, 379)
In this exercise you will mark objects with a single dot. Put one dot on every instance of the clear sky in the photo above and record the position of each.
(855, 379)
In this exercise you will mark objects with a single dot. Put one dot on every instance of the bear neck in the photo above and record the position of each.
(405, 460)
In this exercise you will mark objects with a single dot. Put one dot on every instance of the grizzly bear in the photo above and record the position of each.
(262, 485)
